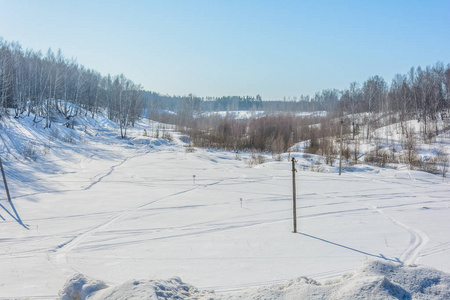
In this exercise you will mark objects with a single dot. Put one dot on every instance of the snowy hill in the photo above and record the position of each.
(127, 213)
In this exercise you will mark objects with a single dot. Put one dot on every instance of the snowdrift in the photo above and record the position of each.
(375, 279)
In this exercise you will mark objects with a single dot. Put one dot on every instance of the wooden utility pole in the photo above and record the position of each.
(4, 180)
(340, 152)
(294, 194)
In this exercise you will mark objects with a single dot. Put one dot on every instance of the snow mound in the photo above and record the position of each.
(373, 280)
(79, 288)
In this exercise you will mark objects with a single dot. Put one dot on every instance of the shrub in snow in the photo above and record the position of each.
(443, 162)
(255, 159)
(53, 134)
(190, 150)
(30, 152)
(69, 138)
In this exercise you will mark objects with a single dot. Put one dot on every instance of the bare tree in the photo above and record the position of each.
(374, 93)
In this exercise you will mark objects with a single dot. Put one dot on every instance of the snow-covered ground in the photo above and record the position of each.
(141, 212)
(235, 114)
(247, 114)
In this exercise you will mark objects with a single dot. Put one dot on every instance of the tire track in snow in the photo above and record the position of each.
(417, 241)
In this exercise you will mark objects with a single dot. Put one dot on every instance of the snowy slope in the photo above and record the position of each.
(117, 210)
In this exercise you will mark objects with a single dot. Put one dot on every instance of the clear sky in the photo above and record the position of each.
(236, 47)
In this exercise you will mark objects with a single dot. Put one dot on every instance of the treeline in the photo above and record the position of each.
(422, 95)
(275, 133)
(158, 102)
(50, 84)
(271, 133)
(325, 100)
(322, 101)
(233, 103)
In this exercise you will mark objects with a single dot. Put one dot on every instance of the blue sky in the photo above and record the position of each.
(215, 48)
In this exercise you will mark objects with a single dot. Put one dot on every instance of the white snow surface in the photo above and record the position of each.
(375, 279)
(86, 202)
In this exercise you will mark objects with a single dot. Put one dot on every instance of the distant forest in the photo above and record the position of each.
(31, 82)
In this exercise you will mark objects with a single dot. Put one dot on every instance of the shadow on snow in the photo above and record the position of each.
(381, 256)
(13, 213)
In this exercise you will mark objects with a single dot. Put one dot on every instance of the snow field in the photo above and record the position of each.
(118, 210)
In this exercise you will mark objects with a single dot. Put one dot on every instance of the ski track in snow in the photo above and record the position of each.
(98, 236)
(436, 249)
(112, 168)
(59, 256)
(417, 241)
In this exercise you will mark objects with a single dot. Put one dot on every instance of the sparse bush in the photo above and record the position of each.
(378, 158)
(260, 159)
(370, 158)
(384, 158)
(356, 150)
(53, 134)
(316, 168)
(30, 152)
(427, 165)
(238, 156)
(442, 161)
(251, 161)
(190, 150)
(410, 148)
(346, 154)
(255, 159)
(167, 136)
(69, 138)
(278, 157)
(45, 149)
(314, 144)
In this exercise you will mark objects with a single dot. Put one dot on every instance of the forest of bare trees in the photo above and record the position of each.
(50, 84)
(421, 96)
(31, 82)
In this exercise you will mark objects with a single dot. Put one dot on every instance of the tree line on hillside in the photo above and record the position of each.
(45, 85)
(324, 100)
(158, 102)
(48, 85)
(422, 95)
